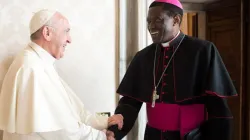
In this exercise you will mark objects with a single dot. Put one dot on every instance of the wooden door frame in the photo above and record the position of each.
(245, 15)
(245, 60)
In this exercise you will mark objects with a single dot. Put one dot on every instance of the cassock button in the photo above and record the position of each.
(164, 84)
(166, 57)
(162, 92)
(165, 75)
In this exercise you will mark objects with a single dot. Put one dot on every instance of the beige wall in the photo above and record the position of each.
(89, 63)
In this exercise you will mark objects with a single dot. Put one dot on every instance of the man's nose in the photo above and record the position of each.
(69, 39)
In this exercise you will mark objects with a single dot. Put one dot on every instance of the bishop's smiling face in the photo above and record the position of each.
(160, 25)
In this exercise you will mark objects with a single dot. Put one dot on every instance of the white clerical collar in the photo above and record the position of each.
(43, 54)
(166, 44)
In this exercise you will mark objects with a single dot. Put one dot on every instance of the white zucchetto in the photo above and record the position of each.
(39, 19)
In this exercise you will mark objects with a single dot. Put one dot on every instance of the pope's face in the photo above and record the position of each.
(60, 38)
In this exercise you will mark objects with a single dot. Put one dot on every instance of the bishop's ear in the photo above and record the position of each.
(177, 19)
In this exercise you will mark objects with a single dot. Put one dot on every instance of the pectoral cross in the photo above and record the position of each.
(155, 97)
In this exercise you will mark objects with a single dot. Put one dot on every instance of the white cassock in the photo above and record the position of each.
(35, 103)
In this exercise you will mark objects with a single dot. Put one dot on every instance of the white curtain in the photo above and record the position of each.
(133, 36)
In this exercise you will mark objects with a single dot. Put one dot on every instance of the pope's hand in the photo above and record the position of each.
(116, 119)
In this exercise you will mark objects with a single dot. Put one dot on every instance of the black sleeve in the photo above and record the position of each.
(129, 108)
(218, 81)
(131, 79)
(219, 123)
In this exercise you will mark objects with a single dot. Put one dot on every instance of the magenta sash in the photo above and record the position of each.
(174, 117)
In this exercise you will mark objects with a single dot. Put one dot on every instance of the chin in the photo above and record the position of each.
(59, 57)
(156, 41)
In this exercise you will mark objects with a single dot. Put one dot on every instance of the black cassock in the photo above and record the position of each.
(192, 91)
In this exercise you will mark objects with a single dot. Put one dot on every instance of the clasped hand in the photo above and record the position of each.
(116, 119)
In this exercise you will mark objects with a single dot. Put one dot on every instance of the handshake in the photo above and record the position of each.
(116, 119)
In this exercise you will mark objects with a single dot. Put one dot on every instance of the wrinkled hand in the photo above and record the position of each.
(110, 135)
(116, 119)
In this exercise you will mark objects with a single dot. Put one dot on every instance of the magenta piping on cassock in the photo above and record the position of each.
(216, 94)
(178, 101)
(133, 98)
(205, 94)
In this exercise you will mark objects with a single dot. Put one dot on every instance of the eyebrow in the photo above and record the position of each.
(157, 17)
